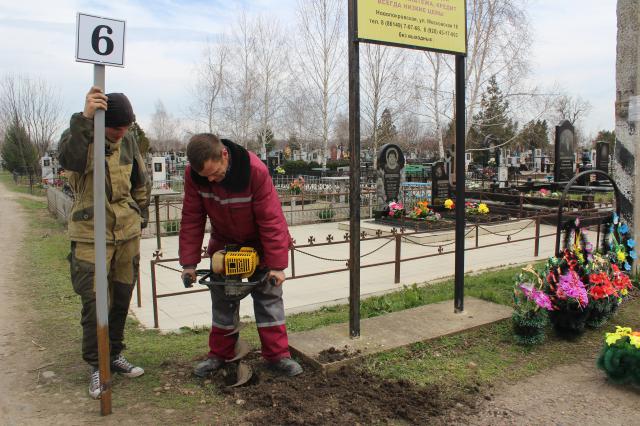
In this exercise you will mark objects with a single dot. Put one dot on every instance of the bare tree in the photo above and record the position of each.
(210, 85)
(32, 105)
(321, 54)
(299, 119)
(241, 99)
(435, 95)
(164, 130)
(572, 109)
(341, 130)
(499, 39)
(410, 133)
(271, 53)
(383, 86)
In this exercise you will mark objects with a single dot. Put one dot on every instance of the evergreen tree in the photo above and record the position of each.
(492, 119)
(535, 134)
(606, 136)
(19, 154)
(144, 145)
(386, 129)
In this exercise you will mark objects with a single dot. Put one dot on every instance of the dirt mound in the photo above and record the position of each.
(348, 396)
(332, 354)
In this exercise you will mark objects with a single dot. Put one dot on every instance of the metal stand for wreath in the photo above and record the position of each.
(564, 195)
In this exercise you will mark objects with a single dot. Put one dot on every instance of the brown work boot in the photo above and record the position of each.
(286, 366)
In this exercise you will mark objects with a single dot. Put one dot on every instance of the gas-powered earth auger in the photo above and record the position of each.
(235, 270)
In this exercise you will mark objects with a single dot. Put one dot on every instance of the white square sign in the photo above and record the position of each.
(100, 40)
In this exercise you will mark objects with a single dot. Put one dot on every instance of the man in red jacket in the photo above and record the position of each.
(232, 187)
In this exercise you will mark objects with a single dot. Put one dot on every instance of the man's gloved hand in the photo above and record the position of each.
(277, 277)
(189, 276)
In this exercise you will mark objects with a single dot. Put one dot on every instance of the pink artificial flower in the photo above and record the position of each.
(538, 296)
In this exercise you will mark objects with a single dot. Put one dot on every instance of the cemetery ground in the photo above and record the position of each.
(475, 377)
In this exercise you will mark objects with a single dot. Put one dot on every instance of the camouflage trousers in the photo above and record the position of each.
(123, 260)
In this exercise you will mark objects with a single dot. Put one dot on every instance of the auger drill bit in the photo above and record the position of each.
(241, 349)
(237, 325)
(243, 372)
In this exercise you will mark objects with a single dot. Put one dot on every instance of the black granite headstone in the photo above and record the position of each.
(439, 183)
(390, 163)
(565, 149)
(602, 157)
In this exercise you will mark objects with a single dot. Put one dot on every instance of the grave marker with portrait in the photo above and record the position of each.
(565, 152)
(440, 190)
(390, 174)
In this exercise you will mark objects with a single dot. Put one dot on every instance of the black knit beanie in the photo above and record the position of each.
(119, 111)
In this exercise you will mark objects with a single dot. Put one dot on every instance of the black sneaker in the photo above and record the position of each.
(208, 366)
(286, 366)
(94, 384)
(124, 367)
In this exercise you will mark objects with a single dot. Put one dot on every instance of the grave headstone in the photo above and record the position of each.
(48, 170)
(585, 165)
(159, 167)
(390, 174)
(565, 152)
(602, 157)
(503, 176)
(440, 183)
(467, 161)
(450, 164)
(537, 160)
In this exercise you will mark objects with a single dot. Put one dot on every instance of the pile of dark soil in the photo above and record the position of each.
(348, 396)
(332, 354)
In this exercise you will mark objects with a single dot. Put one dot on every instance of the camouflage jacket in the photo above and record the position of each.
(128, 188)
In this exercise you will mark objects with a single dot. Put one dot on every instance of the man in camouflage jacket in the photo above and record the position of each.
(127, 190)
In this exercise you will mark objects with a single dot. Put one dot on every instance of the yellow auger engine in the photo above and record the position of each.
(235, 264)
(235, 269)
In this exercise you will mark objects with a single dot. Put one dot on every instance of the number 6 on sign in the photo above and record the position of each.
(100, 40)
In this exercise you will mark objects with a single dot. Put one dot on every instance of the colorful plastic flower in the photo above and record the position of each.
(538, 296)
(620, 332)
(571, 286)
(395, 209)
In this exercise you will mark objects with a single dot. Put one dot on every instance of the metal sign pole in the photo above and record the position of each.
(354, 171)
(100, 244)
(460, 176)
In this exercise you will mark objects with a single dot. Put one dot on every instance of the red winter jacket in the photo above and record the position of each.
(244, 209)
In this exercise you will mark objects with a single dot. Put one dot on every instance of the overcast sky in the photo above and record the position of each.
(574, 45)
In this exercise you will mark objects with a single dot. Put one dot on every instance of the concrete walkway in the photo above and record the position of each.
(394, 330)
(307, 294)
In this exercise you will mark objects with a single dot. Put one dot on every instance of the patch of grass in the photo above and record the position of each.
(483, 357)
(35, 189)
(493, 286)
